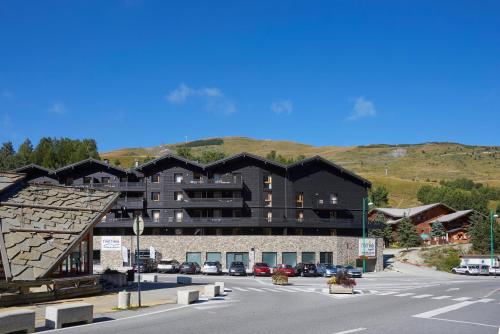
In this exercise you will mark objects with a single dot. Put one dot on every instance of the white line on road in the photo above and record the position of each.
(239, 289)
(351, 330)
(466, 322)
(461, 299)
(485, 300)
(421, 296)
(453, 289)
(255, 289)
(441, 297)
(404, 294)
(430, 314)
(491, 293)
(271, 290)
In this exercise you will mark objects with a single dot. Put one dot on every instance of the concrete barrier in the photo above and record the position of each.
(212, 290)
(149, 278)
(123, 300)
(221, 286)
(184, 280)
(57, 316)
(185, 297)
(16, 321)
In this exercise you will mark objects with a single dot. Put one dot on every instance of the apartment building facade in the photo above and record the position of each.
(242, 207)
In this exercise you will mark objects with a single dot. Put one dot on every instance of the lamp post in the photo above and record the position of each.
(363, 252)
(492, 248)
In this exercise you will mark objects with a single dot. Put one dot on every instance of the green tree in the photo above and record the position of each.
(185, 152)
(379, 196)
(407, 234)
(438, 231)
(479, 234)
(211, 156)
(117, 162)
(24, 152)
(379, 229)
(8, 159)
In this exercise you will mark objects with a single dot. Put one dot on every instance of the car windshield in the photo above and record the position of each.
(349, 267)
(187, 264)
(211, 264)
(237, 264)
(261, 264)
(288, 266)
(165, 262)
(329, 267)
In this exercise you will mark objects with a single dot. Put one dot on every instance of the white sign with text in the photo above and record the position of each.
(370, 248)
(113, 243)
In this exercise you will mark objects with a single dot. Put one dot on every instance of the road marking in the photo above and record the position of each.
(466, 322)
(271, 290)
(441, 297)
(432, 313)
(286, 290)
(491, 293)
(485, 300)
(461, 299)
(404, 294)
(240, 289)
(453, 289)
(421, 296)
(386, 293)
(255, 289)
(351, 330)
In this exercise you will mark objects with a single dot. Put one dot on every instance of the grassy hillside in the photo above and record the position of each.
(401, 168)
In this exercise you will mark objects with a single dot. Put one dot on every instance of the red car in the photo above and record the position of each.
(261, 269)
(286, 269)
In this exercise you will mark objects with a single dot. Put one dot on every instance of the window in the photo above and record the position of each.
(178, 196)
(308, 257)
(155, 196)
(268, 181)
(156, 216)
(105, 180)
(155, 178)
(193, 257)
(290, 258)
(197, 178)
(103, 219)
(299, 200)
(334, 199)
(96, 256)
(178, 177)
(214, 256)
(271, 258)
(326, 257)
(178, 215)
(299, 215)
(268, 200)
(126, 263)
(236, 257)
(87, 180)
(269, 216)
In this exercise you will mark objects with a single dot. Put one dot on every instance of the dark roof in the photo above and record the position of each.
(30, 167)
(168, 156)
(318, 158)
(245, 155)
(40, 224)
(8, 179)
(90, 161)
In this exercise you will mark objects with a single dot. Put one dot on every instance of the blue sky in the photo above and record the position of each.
(140, 73)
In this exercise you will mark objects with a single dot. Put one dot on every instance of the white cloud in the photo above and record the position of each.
(362, 108)
(213, 98)
(58, 108)
(282, 107)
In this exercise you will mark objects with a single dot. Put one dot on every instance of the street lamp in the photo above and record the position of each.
(365, 208)
(493, 216)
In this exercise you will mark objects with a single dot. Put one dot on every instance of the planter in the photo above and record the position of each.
(280, 280)
(337, 288)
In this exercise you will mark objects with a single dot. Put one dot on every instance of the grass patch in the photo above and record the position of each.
(443, 258)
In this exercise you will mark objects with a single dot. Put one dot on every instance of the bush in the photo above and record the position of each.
(341, 278)
(443, 258)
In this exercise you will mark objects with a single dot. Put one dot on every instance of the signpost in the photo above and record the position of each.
(138, 229)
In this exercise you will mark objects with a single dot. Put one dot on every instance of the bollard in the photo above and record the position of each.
(123, 300)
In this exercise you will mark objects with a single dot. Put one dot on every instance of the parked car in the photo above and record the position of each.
(353, 271)
(237, 268)
(306, 269)
(189, 268)
(168, 266)
(466, 270)
(286, 269)
(494, 270)
(144, 266)
(261, 269)
(326, 270)
(211, 267)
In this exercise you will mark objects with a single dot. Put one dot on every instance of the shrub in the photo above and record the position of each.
(341, 278)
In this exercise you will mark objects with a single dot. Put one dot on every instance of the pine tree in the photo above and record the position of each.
(7, 157)
(407, 234)
(438, 231)
(479, 234)
(24, 153)
(379, 196)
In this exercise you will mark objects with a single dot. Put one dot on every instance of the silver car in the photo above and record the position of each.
(168, 266)
(353, 272)
(237, 268)
(211, 267)
(326, 270)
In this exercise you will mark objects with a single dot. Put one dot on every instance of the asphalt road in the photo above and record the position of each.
(385, 303)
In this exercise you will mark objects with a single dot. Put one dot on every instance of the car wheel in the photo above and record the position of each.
(467, 273)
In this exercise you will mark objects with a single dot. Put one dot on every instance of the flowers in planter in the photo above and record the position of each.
(341, 278)
(279, 278)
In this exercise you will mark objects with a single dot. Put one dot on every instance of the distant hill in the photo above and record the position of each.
(401, 168)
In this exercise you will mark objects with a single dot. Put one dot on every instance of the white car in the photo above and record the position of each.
(495, 271)
(473, 269)
(168, 266)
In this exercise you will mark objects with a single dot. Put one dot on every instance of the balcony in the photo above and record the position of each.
(325, 205)
(228, 183)
(134, 203)
(200, 203)
(120, 186)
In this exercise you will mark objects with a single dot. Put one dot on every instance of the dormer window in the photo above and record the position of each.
(155, 178)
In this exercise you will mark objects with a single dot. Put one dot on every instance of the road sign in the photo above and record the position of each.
(138, 225)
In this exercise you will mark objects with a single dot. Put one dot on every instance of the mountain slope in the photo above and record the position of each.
(401, 168)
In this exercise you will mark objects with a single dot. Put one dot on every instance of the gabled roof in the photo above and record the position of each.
(168, 156)
(8, 179)
(452, 216)
(245, 155)
(408, 212)
(90, 161)
(30, 167)
(318, 158)
(40, 224)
